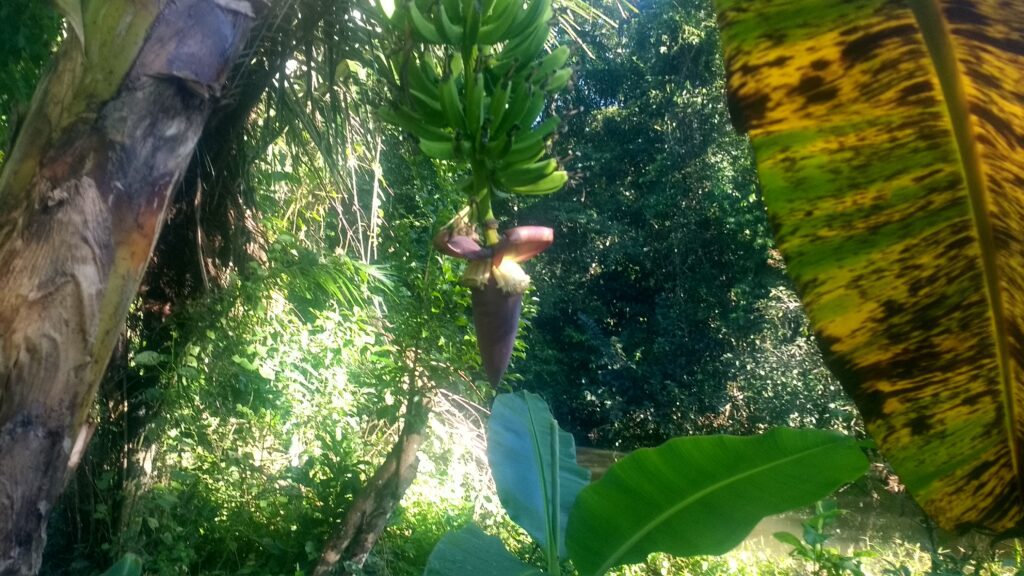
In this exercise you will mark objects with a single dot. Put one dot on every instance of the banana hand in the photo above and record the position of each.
(551, 183)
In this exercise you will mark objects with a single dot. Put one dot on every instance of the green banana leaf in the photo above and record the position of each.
(889, 137)
(704, 494)
(534, 466)
(470, 552)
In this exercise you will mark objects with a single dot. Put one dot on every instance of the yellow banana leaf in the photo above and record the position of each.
(889, 137)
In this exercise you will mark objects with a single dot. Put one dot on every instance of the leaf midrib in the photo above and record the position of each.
(538, 453)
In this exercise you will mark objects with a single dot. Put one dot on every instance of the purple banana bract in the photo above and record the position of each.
(496, 319)
(497, 282)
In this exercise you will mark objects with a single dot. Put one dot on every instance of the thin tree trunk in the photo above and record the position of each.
(368, 515)
(82, 199)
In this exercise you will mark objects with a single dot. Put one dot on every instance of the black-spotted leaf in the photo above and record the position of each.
(889, 138)
(704, 494)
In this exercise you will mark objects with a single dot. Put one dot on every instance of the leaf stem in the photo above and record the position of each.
(484, 210)
(554, 566)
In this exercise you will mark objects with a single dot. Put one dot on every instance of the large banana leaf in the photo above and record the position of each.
(890, 142)
(704, 494)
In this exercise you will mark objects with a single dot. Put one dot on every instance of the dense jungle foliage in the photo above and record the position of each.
(294, 313)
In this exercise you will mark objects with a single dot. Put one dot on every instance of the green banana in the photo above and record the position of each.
(533, 110)
(558, 80)
(486, 7)
(451, 106)
(416, 79)
(497, 148)
(543, 130)
(426, 104)
(410, 122)
(454, 9)
(550, 63)
(500, 69)
(450, 31)
(498, 22)
(520, 97)
(427, 31)
(440, 149)
(527, 148)
(428, 66)
(527, 174)
(455, 65)
(525, 154)
(524, 150)
(481, 104)
(472, 11)
(550, 183)
(539, 11)
(433, 120)
(523, 50)
(475, 103)
(498, 8)
(499, 100)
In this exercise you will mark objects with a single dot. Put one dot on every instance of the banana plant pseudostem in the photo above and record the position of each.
(83, 196)
(890, 142)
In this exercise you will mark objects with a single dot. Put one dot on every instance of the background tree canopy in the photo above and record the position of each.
(28, 30)
(663, 307)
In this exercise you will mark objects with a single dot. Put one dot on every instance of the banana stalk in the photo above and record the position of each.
(481, 108)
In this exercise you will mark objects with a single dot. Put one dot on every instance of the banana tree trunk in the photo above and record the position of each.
(82, 199)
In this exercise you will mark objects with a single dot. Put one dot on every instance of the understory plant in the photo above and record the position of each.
(691, 496)
(813, 548)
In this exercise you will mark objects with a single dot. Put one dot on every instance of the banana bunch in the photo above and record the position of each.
(475, 87)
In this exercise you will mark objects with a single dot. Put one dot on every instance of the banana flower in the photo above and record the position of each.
(497, 283)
